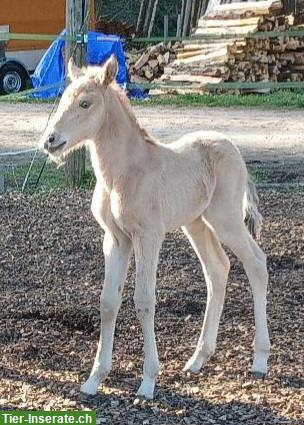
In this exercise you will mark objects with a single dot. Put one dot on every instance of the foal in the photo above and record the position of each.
(145, 189)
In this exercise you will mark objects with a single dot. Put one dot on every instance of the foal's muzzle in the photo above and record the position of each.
(53, 143)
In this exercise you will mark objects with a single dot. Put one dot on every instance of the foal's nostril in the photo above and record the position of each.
(51, 138)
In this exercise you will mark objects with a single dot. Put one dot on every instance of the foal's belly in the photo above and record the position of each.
(185, 209)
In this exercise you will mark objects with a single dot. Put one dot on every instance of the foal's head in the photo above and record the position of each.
(81, 111)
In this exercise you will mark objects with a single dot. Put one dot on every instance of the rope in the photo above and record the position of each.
(15, 153)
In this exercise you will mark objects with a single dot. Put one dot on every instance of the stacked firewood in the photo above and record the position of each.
(148, 64)
(239, 57)
(275, 59)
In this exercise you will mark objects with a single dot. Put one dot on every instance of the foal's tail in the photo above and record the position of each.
(252, 217)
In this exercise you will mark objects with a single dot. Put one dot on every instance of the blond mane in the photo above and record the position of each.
(125, 103)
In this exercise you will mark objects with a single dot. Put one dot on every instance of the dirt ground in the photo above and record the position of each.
(51, 271)
(272, 139)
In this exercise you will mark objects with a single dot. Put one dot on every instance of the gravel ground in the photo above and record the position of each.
(51, 268)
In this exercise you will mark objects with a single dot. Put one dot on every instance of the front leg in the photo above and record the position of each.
(116, 252)
(146, 251)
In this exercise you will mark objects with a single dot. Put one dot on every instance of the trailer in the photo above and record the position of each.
(19, 58)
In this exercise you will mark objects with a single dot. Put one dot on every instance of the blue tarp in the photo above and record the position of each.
(51, 69)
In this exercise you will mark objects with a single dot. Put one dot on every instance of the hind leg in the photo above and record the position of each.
(215, 265)
(233, 233)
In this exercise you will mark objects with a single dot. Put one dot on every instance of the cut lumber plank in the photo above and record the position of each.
(217, 55)
(203, 79)
(250, 6)
(213, 23)
(208, 40)
(202, 46)
(189, 54)
(226, 30)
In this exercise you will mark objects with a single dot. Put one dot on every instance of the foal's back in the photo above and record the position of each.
(190, 171)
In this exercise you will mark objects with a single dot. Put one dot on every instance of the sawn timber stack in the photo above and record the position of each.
(221, 50)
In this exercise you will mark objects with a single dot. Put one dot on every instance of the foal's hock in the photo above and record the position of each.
(144, 189)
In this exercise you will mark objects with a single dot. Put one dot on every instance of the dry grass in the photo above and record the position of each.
(51, 269)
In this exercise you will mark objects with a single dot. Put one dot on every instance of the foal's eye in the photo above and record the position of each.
(84, 104)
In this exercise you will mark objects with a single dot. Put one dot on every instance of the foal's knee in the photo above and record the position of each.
(144, 306)
(261, 266)
(109, 305)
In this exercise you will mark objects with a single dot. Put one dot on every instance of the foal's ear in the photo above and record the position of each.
(73, 71)
(110, 69)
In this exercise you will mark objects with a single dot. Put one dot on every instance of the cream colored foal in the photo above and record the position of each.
(145, 189)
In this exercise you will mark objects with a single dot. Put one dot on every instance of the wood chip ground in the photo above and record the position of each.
(51, 268)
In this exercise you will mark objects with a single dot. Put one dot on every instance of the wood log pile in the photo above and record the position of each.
(242, 58)
(148, 64)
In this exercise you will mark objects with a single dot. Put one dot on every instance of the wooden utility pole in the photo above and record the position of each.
(77, 25)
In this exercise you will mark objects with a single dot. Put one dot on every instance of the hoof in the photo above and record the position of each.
(146, 390)
(89, 387)
(141, 399)
(193, 366)
(258, 375)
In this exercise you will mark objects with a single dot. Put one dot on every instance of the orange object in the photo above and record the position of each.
(32, 17)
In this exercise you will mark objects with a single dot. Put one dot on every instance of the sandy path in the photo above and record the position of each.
(260, 134)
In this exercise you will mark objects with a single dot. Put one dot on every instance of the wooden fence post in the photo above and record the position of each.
(166, 27)
(179, 25)
(77, 22)
(2, 173)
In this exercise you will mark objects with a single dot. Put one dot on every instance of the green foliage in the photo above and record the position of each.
(51, 177)
(258, 174)
(119, 10)
(279, 99)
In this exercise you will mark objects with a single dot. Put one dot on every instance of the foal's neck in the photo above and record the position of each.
(120, 143)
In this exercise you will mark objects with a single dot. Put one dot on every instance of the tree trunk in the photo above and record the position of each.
(152, 18)
(195, 13)
(187, 17)
(203, 8)
(148, 17)
(77, 22)
(141, 17)
(182, 15)
(289, 6)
